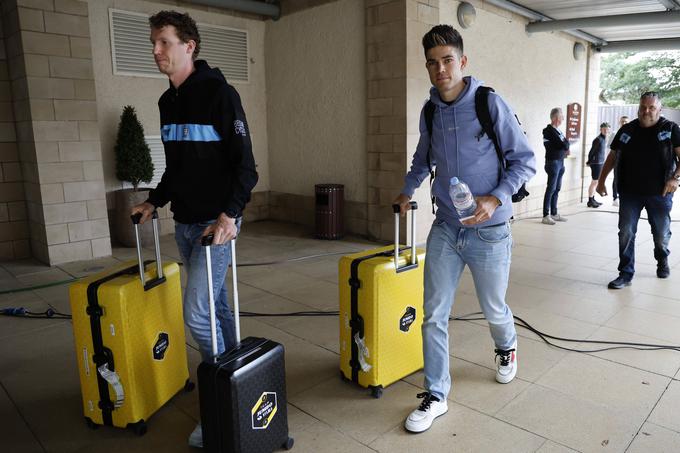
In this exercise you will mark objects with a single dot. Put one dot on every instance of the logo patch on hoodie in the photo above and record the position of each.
(663, 135)
(239, 128)
(625, 138)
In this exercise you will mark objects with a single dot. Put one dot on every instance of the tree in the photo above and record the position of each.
(133, 157)
(626, 75)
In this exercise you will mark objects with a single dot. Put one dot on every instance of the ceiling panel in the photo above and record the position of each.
(635, 32)
(574, 9)
(570, 9)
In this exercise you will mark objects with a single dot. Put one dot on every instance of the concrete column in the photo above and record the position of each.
(397, 87)
(421, 16)
(57, 132)
(14, 235)
(386, 110)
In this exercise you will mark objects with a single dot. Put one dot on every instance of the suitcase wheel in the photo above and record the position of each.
(138, 428)
(288, 444)
(376, 391)
(90, 424)
(189, 386)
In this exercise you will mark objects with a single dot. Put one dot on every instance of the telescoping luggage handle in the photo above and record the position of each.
(206, 241)
(160, 278)
(396, 208)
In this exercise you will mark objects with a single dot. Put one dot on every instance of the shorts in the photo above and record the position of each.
(595, 170)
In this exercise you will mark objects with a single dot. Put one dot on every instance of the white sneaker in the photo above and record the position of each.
(558, 218)
(506, 365)
(547, 220)
(196, 437)
(615, 202)
(421, 419)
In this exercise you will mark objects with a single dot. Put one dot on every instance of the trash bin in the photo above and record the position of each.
(329, 201)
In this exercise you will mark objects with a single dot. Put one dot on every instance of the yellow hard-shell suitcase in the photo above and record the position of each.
(130, 341)
(381, 313)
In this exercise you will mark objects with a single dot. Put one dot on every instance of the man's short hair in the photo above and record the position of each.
(623, 116)
(443, 35)
(554, 112)
(650, 94)
(605, 124)
(183, 23)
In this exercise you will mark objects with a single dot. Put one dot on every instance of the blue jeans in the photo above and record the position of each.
(487, 252)
(196, 299)
(555, 170)
(659, 216)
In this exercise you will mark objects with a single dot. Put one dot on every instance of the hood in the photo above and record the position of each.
(466, 96)
(202, 73)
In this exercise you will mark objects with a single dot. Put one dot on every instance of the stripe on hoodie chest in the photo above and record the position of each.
(189, 133)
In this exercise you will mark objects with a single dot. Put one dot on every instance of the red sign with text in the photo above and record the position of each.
(573, 121)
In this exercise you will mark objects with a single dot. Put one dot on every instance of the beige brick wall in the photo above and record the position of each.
(386, 111)
(14, 234)
(57, 140)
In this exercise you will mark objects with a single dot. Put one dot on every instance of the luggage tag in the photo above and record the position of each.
(114, 381)
(363, 353)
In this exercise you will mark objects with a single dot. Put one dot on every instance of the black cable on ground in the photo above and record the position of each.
(544, 336)
(30, 288)
(22, 312)
(250, 314)
(53, 314)
(264, 263)
(300, 258)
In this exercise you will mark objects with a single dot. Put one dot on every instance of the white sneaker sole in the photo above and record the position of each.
(501, 379)
(419, 429)
(506, 379)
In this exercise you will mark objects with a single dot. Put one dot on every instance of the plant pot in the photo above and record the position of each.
(126, 199)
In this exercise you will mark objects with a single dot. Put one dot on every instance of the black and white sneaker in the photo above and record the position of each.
(506, 364)
(421, 419)
(196, 437)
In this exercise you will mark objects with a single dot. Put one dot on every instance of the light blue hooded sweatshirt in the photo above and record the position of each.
(459, 149)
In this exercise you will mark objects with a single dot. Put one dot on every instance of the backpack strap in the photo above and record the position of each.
(428, 112)
(484, 117)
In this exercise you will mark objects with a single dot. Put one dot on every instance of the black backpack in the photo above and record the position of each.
(484, 117)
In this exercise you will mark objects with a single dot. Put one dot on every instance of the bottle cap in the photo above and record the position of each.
(454, 181)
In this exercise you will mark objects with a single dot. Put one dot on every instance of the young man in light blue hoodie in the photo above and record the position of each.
(459, 148)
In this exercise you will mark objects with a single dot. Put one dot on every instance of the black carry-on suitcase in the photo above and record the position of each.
(242, 393)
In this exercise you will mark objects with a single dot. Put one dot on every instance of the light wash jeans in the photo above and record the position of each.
(450, 248)
(196, 301)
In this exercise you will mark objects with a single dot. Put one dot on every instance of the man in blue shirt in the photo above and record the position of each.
(459, 148)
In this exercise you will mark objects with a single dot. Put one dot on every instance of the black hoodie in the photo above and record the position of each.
(646, 156)
(556, 145)
(209, 164)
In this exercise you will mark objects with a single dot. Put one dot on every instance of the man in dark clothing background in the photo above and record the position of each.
(646, 153)
(595, 160)
(556, 149)
(209, 173)
(615, 193)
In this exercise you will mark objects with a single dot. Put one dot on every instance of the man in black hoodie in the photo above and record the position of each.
(646, 152)
(556, 149)
(209, 174)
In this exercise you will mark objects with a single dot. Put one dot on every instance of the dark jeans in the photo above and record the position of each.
(615, 185)
(659, 216)
(555, 170)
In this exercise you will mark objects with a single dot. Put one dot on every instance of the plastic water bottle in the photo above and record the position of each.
(462, 198)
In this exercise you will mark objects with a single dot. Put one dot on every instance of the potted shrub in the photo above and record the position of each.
(133, 165)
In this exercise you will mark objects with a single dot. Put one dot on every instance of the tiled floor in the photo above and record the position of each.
(614, 401)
